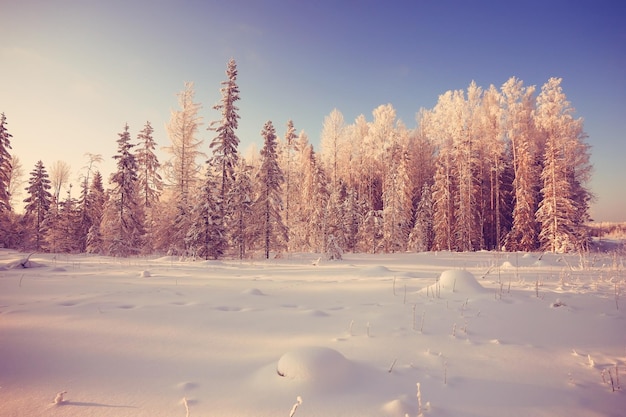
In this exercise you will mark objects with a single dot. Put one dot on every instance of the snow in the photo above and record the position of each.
(484, 334)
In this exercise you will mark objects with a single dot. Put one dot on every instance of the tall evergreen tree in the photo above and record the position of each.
(63, 226)
(225, 144)
(565, 168)
(123, 228)
(5, 165)
(397, 209)
(242, 199)
(150, 183)
(269, 200)
(422, 235)
(38, 204)
(96, 200)
(205, 237)
(287, 149)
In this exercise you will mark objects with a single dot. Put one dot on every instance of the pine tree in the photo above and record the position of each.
(397, 201)
(38, 203)
(565, 168)
(242, 198)
(422, 235)
(96, 201)
(123, 226)
(287, 149)
(225, 144)
(150, 183)
(205, 237)
(269, 200)
(63, 223)
(5, 166)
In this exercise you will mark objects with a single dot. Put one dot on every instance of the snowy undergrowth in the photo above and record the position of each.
(482, 333)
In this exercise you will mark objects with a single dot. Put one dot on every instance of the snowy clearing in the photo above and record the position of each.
(484, 334)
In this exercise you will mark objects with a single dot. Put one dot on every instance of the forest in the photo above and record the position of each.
(485, 169)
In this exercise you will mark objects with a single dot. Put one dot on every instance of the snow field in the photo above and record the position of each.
(484, 334)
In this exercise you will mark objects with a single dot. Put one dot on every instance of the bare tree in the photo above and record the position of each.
(59, 176)
(16, 180)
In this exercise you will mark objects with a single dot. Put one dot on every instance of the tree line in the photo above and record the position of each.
(485, 169)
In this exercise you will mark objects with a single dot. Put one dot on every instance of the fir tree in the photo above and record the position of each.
(422, 235)
(563, 208)
(225, 144)
(123, 214)
(242, 198)
(205, 236)
(287, 149)
(397, 208)
(150, 183)
(269, 201)
(96, 200)
(62, 234)
(5, 166)
(38, 203)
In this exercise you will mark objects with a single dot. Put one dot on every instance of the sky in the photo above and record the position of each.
(73, 73)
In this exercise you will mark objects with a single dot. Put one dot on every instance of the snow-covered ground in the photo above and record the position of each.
(484, 334)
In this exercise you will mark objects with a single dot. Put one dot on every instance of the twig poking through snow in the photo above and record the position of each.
(419, 401)
(295, 406)
(392, 365)
(59, 400)
(186, 405)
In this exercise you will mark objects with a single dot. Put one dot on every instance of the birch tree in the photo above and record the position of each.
(520, 131)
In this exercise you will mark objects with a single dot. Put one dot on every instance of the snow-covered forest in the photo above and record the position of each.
(485, 168)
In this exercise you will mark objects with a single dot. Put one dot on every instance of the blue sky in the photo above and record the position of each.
(74, 72)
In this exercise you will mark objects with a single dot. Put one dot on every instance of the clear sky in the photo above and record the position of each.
(72, 73)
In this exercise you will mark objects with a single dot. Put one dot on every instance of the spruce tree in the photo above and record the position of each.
(225, 144)
(38, 204)
(150, 183)
(242, 198)
(205, 236)
(123, 228)
(269, 201)
(564, 204)
(5, 166)
(96, 200)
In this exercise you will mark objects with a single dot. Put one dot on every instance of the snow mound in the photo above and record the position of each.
(455, 281)
(376, 271)
(315, 364)
(507, 265)
(400, 407)
(253, 291)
